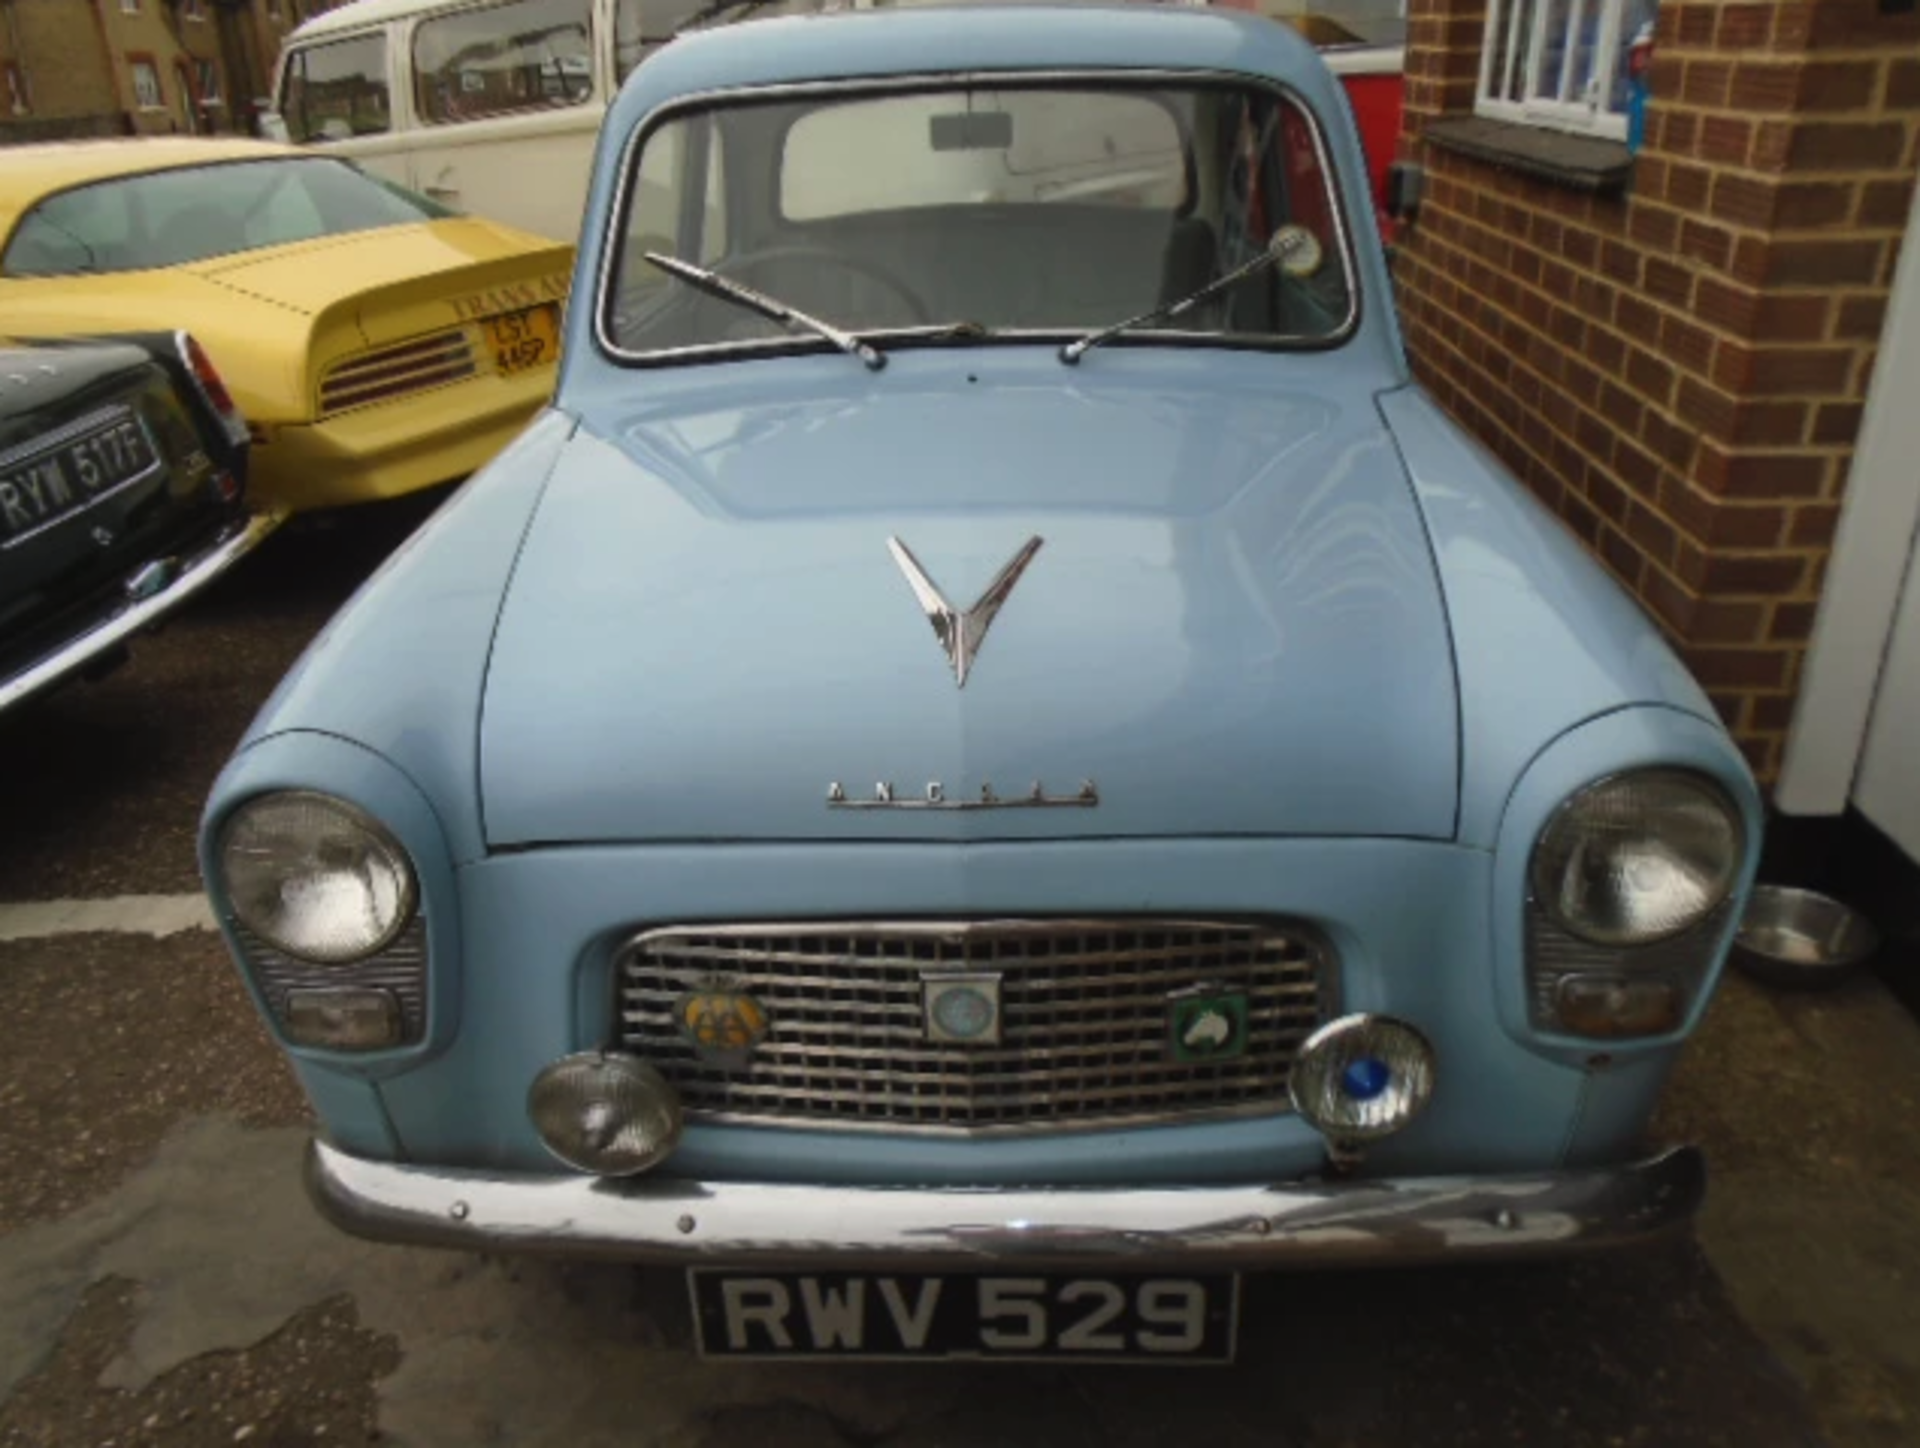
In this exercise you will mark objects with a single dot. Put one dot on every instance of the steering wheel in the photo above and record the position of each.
(748, 262)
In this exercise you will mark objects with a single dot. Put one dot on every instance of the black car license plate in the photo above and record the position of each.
(56, 477)
(1093, 1317)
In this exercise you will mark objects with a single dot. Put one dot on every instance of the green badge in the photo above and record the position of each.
(1208, 1027)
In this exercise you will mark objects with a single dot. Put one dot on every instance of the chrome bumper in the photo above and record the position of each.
(116, 628)
(1293, 1224)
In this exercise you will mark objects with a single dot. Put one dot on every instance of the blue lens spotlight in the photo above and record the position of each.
(1365, 1078)
(1361, 1078)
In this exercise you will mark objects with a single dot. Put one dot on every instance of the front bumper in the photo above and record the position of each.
(114, 628)
(1285, 1225)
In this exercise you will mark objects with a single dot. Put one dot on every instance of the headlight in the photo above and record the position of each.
(315, 877)
(1639, 857)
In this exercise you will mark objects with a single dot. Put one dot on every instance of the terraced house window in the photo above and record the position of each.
(1560, 63)
(206, 79)
(528, 55)
(146, 85)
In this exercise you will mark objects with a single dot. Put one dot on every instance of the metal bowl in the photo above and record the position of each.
(1801, 939)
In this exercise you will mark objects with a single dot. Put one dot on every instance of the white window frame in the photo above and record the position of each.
(206, 82)
(1549, 104)
(129, 7)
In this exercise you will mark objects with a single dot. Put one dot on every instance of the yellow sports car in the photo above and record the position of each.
(376, 342)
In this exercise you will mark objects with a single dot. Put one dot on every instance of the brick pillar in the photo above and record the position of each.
(1679, 371)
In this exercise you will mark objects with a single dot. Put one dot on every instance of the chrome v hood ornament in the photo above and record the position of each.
(961, 634)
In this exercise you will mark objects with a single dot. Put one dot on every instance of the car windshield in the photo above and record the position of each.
(975, 212)
(166, 218)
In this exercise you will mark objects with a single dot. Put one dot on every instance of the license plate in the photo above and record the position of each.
(524, 339)
(1103, 1317)
(53, 478)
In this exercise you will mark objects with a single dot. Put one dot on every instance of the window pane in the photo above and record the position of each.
(1553, 18)
(146, 85)
(525, 56)
(166, 218)
(337, 91)
(641, 27)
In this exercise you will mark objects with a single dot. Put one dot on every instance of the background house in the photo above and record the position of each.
(109, 67)
(1703, 353)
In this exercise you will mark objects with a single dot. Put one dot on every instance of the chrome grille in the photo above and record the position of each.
(389, 372)
(1085, 1010)
(400, 968)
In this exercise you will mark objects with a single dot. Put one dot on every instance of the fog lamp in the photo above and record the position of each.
(1362, 1077)
(604, 1113)
(343, 1019)
(1618, 1005)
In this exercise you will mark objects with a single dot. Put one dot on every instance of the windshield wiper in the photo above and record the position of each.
(716, 285)
(1285, 245)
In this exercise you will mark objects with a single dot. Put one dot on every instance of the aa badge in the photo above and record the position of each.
(722, 1022)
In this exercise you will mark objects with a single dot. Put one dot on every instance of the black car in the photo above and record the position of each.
(122, 479)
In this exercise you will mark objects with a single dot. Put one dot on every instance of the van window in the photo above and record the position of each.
(527, 55)
(641, 27)
(336, 91)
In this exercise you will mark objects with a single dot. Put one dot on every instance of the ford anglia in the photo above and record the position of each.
(991, 762)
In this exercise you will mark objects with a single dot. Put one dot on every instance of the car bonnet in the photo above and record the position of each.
(1231, 623)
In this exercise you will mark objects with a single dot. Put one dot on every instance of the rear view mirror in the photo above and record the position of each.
(972, 131)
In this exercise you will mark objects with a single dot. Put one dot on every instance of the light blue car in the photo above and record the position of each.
(991, 762)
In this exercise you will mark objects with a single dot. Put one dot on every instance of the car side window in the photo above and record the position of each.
(336, 91)
(525, 55)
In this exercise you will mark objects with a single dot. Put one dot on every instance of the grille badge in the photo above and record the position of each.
(722, 1022)
(962, 1010)
(1207, 1025)
(961, 634)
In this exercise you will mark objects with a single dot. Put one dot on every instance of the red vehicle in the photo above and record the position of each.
(1364, 43)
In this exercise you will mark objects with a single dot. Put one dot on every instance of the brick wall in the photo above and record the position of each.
(1679, 371)
(57, 46)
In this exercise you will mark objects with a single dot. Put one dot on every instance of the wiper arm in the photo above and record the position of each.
(1288, 244)
(716, 285)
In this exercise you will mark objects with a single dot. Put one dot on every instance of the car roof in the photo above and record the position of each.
(873, 44)
(358, 13)
(31, 172)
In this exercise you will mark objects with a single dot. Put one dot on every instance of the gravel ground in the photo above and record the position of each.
(108, 1041)
(309, 1384)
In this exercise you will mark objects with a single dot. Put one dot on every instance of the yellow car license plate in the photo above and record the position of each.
(529, 338)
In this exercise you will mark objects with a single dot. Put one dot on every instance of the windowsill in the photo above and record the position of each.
(1584, 163)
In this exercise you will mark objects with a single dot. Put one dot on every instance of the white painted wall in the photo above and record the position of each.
(1861, 674)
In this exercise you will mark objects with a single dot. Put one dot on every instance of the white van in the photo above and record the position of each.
(490, 108)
